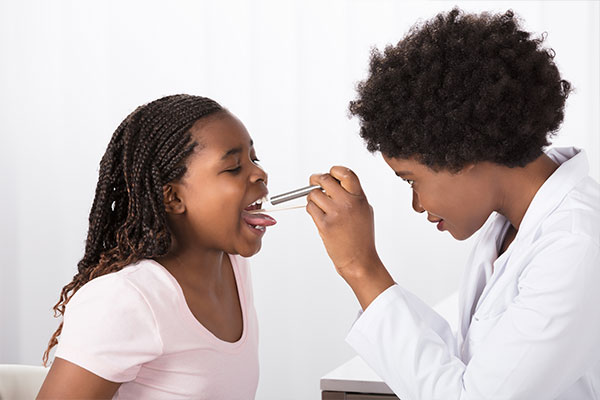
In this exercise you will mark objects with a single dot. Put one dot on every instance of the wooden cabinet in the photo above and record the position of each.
(354, 380)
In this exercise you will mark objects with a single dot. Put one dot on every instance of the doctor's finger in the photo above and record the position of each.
(320, 200)
(331, 185)
(348, 179)
(317, 215)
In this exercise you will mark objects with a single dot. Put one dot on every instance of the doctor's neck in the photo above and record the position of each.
(518, 186)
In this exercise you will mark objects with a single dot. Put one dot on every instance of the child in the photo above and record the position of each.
(162, 306)
(462, 109)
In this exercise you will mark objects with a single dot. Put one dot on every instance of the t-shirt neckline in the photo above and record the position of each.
(196, 325)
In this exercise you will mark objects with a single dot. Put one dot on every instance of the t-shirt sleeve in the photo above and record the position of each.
(109, 329)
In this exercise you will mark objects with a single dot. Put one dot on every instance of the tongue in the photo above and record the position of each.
(258, 219)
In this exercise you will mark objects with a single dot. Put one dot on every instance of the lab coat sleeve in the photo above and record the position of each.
(409, 345)
(539, 346)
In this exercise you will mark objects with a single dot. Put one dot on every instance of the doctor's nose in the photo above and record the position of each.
(416, 204)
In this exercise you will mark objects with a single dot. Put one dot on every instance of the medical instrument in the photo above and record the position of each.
(294, 194)
(282, 198)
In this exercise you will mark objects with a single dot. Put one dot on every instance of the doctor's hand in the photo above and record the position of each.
(344, 219)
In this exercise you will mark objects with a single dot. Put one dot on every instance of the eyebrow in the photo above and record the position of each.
(398, 173)
(234, 151)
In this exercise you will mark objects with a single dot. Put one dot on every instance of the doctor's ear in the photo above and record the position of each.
(172, 202)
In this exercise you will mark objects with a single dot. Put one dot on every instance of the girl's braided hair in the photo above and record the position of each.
(128, 221)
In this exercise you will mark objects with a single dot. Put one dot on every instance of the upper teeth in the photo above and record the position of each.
(259, 202)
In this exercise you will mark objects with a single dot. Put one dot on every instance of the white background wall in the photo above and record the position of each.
(71, 71)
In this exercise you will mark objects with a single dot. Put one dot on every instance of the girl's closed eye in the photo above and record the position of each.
(237, 169)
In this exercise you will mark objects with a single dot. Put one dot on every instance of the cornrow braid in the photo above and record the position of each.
(128, 221)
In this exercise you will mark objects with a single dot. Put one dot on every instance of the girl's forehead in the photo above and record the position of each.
(221, 138)
(219, 131)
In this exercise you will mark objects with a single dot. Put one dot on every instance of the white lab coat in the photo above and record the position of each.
(529, 327)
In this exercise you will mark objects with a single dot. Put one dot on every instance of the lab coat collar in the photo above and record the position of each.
(572, 170)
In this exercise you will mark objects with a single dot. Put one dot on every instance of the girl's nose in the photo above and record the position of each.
(259, 174)
(416, 204)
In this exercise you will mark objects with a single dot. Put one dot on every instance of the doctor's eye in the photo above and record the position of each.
(409, 181)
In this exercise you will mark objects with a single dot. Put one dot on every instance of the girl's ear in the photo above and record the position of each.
(173, 204)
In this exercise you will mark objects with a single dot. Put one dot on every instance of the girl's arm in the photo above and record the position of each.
(66, 380)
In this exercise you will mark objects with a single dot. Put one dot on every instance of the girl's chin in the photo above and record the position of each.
(247, 254)
(250, 249)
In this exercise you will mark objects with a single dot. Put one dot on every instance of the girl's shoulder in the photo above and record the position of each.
(145, 282)
(131, 284)
(110, 326)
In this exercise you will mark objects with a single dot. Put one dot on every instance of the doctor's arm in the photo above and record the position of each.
(537, 347)
(344, 219)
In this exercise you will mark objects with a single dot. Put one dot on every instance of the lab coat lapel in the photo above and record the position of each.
(477, 273)
(574, 168)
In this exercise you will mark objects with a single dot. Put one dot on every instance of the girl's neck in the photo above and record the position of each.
(198, 269)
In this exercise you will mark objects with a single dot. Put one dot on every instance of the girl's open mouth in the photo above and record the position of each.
(257, 222)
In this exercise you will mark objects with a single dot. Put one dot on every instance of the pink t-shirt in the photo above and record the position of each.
(134, 326)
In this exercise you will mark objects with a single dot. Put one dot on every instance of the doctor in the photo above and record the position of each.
(462, 109)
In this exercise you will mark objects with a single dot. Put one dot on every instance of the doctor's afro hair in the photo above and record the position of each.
(462, 88)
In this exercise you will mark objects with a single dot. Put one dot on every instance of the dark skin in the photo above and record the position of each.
(196, 214)
(66, 380)
(204, 211)
(457, 202)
